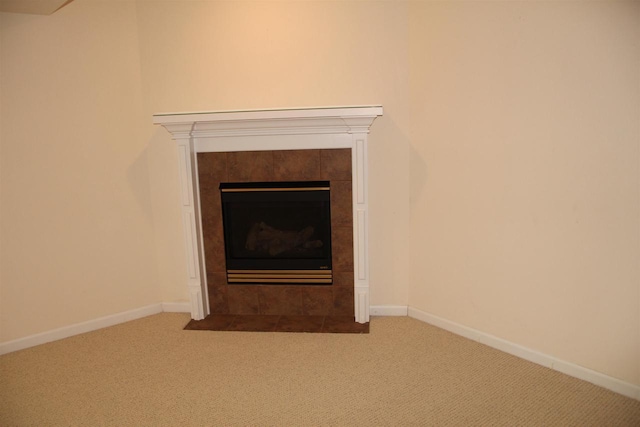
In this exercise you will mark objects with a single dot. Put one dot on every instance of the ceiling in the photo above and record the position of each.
(38, 7)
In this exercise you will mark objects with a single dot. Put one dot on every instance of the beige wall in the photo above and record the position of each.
(76, 225)
(525, 175)
(504, 172)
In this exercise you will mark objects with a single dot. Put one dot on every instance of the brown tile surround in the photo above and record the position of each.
(282, 307)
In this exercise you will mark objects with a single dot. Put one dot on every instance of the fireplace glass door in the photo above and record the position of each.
(277, 232)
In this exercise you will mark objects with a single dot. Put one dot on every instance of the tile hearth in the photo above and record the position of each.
(266, 323)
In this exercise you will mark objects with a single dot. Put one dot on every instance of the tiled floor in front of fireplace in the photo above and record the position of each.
(267, 323)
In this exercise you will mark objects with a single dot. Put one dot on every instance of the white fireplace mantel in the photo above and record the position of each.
(255, 130)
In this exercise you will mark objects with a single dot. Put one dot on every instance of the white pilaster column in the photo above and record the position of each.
(189, 197)
(360, 226)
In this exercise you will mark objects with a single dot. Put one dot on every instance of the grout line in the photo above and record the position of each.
(275, 327)
(233, 321)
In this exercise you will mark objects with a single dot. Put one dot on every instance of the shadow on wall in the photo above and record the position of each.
(139, 182)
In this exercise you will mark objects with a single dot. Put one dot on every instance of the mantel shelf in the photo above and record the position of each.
(328, 120)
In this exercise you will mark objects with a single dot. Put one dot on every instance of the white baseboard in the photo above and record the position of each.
(571, 369)
(388, 310)
(79, 328)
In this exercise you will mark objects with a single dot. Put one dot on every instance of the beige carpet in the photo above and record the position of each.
(150, 372)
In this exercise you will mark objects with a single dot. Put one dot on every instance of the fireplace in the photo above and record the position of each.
(258, 137)
(277, 232)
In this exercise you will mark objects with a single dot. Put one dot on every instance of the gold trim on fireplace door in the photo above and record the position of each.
(325, 272)
(244, 190)
(279, 276)
(261, 280)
